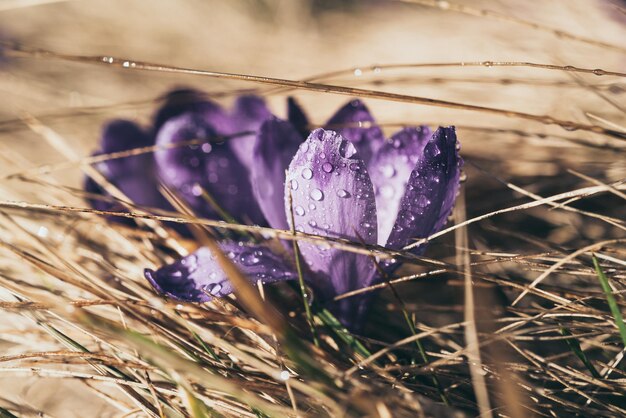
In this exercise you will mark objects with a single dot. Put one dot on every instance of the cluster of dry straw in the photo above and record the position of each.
(514, 311)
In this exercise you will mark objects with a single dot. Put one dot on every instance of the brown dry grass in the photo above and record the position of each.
(81, 334)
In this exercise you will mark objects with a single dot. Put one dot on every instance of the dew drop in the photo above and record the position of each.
(343, 193)
(327, 167)
(422, 201)
(249, 258)
(196, 190)
(299, 210)
(206, 147)
(388, 171)
(215, 289)
(354, 167)
(387, 191)
(43, 232)
(317, 194)
(294, 184)
(307, 174)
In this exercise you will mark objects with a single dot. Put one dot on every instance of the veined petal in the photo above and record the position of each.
(198, 277)
(248, 114)
(347, 122)
(276, 145)
(430, 192)
(211, 167)
(297, 117)
(332, 196)
(390, 170)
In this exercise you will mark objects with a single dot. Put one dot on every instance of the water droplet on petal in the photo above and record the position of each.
(307, 174)
(387, 191)
(422, 201)
(249, 258)
(299, 210)
(354, 167)
(342, 193)
(316, 194)
(327, 167)
(215, 289)
(294, 185)
(388, 171)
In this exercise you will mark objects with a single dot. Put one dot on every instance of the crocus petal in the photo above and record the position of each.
(181, 101)
(210, 167)
(390, 170)
(332, 196)
(430, 192)
(347, 122)
(297, 117)
(198, 277)
(248, 114)
(276, 145)
(133, 175)
(123, 135)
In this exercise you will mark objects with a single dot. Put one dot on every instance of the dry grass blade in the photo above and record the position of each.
(517, 313)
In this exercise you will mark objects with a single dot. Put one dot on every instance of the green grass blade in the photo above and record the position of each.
(4, 413)
(615, 311)
(574, 345)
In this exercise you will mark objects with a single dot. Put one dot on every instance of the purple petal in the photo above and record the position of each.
(430, 192)
(198, 277)
(123, 135)
(276, 145)
(347, 121)
(390, 170)
(180, 101)
(248, 115)
(211, 167)
(334, 197)
(133, 175)
(297, 117)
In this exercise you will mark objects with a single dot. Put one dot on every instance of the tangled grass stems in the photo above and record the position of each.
(90, 318)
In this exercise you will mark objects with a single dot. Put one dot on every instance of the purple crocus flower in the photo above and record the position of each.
(198, 173)
(345, 182)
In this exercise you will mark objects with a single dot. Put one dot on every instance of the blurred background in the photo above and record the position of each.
(298, 39)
